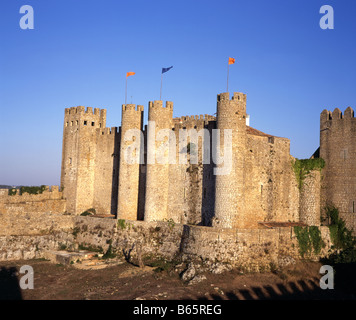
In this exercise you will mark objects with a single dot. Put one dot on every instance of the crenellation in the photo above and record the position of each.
(80, 109)
(336, 114)
(89, 110)
(349, 113)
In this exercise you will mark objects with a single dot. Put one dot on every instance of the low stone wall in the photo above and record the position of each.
(251, 250)
(25, 224)
(32, 247)
(29, 236)
(49, 201)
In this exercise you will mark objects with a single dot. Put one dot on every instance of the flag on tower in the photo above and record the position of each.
(129, 74)
(166, 69)
(231, 61)
(163, 71)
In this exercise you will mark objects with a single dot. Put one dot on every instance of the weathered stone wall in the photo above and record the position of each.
(230, 186)
(157, 169)
(270, 184)
(252, 250)
(49, 201)
(78, 156)
(310, 199)
(129, 178)
(32, 246)
(338, 149)
(25, 223)
(26, 234)
(106, 170)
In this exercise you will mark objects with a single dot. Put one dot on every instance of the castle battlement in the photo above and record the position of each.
(82, 110)
(159, 104)
(337, 114)
(108, 131)
(205, 117)
(237, 96)
(132, 107)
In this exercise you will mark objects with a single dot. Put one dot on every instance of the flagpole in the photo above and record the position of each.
(227, 82)
(126, 90)
(160, 95)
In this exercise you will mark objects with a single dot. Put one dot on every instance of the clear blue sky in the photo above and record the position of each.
(79, 52)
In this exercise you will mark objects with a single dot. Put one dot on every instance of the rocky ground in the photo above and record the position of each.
(125, 281)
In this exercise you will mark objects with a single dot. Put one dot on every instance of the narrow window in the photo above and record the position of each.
(76, 122)
(85, 122)
(71, 123)
(92, 124)
(67, 124)
(70, 160)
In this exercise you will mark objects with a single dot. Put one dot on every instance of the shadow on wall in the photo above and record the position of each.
(115, 176)
(9, 284)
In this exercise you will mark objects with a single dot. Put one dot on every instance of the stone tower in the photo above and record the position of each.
(132, 119)
(229, 192)
(157, 169)
(338, 149)
(78, 156)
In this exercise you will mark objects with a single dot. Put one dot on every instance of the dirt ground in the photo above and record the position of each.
(128, 282)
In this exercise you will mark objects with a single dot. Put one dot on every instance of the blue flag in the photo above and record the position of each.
(166, 69)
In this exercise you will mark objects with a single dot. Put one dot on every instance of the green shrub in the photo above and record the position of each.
(309, 239)
(341, 237)
(12, 192)
(121, 224)
(32, 190)
(109, 253)
(302, 168)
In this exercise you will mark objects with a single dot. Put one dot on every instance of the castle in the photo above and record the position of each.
(260, 188)
(207, 189)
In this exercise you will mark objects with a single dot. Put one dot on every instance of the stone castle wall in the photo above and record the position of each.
(310, 199)
(338, 149)
(106, 172)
